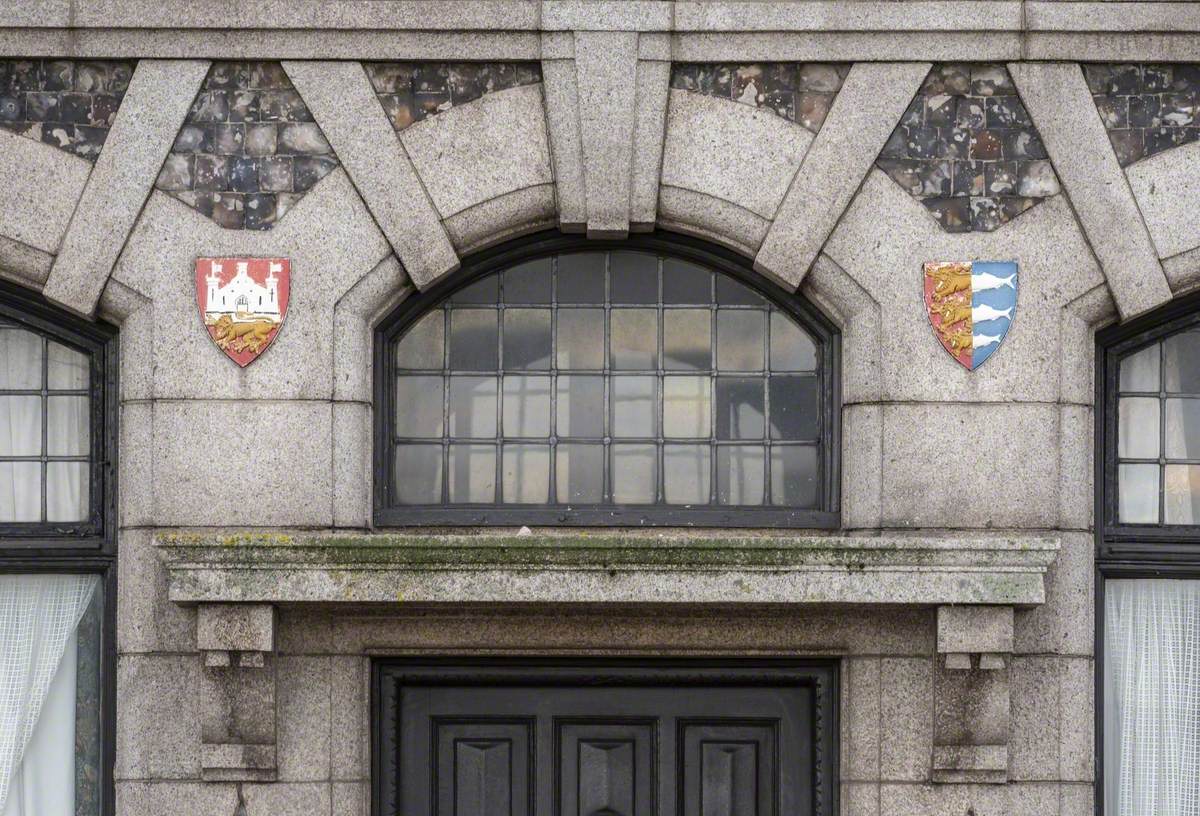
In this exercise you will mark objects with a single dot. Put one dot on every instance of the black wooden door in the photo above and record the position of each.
(536, 739)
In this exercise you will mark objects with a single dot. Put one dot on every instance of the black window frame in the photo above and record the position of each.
(824, 332)
(1130, 550)
(88, 547)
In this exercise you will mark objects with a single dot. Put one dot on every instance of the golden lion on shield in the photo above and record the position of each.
(238, 337)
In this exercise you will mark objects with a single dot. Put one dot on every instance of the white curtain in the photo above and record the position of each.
(1152, 698)
(38, 616)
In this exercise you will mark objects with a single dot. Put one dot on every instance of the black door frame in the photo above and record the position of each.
(823, 675)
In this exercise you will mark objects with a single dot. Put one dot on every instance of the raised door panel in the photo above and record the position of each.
(729, 770)
(605, 769)
(482, 768)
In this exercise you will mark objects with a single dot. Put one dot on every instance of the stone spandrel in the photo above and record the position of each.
(413, 91)
(799, 92)
(1146, 108)
(248, 149)
(967, 149)
(70, 104)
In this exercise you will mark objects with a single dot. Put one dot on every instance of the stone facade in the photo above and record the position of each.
(751, 126)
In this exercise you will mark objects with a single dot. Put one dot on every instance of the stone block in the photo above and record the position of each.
(1166, 187)
(475, 152)
(857, 314)
(712, 219)
(198, 445)
(135, 495)
(1076, 723)
(871, 100)
(235, 627)
(732, 152)
(862, 461)
(862, 697)
(307, 798)
(43, 186)
(1183, 270)
(906, 731)
(1034, 742)
(501, 218)
(352, 476)
(24, 264)
(136, 360)
(1077, 800)
(177, 798)
(157, 689)
(145, 126)
(350, 717)
(1058, 99)
(146, 620)
(566, 143)
(1013, 799)
(975, 629)
(924, 488)
(1064, 623)
(351, 798)
(1076, 497)
(345, 106)
(375, 294)
(303, 718)
(606, 80)
(653, 90)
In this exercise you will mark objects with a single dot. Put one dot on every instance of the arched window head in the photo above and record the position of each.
(652, 381)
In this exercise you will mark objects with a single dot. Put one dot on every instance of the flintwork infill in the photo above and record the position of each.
(413, 91)
(1146, 109)
(799, 92)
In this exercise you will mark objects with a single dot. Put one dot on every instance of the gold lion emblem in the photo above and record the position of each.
(239, 337)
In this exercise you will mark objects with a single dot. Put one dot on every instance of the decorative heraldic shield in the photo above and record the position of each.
(242, 302)
(971, 306)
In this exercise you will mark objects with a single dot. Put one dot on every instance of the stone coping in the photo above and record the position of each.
(606, 567)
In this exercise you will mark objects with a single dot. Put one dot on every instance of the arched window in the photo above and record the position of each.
(1148, 559)
(649, 381)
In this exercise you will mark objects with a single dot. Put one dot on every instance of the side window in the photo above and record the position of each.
(57, 560)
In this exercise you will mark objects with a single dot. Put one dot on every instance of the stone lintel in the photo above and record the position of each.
(975, 630)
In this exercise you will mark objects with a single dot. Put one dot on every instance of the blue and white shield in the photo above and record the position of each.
(971, 305)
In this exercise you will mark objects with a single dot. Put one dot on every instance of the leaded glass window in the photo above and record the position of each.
(588, 380)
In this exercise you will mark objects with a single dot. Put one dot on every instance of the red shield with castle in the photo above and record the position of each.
(242, 302)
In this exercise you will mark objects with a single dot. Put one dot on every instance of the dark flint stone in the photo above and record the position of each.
(104, 109)
(969, 178)
(119, 74)
(969, 113)
(399, 109)
(914, 115)
(1012, 206)
(991, 80)
(1098, 76)
(469, 81)
(228, 210)
(75, 108)
(244, 106)
(275, 174)
(716, 79)
(24, 75)
(529, 73)
(919, 178)
(896, 146)
(780, 76)
(227, 140)
(311, 169)
(986, 214)
(1113, 110)
(211, 173)
(1023, 143)
(42, 107)
(302, 137)
(1161, 139)
(58, 75)
(268, 76)
(390, 77)
(820, 77)
(1036, 179)
(955, 143)
(193, 139)
(432, 77)
(940, 110)
(243, 174)
(1144, 111)
(259, 211)
(430, 104)
(1178, 109)
(210, 106)
(222, 75)
(260, 140)
(1000, 178)
(1127, 145)
(948, 78)
(685, 77)
(812, 108)
(88, 141)
(176, 173)
(923, 143)
(284, 202)
(1157, 78)
(91, 77)
(1186, 77)
(59, 135)
(1125, 80)
(282, 106)
(954, 214)
(783, 103)
(1006, 111)
(986, 144)
(497, 76)
(747, 77)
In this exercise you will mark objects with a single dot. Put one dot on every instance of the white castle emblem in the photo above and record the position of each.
(243, 299)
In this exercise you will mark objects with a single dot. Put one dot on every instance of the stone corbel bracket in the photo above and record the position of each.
(237, 732)
(971, 694)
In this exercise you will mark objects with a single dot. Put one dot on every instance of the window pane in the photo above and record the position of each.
(1181, 361)
(528, 282)
(20, 426)
(686, 407)
(1137, 433)
(633, 474)
(579, 474)
(526, 338)
(1139, 371)
(580, 406)
(635, 339)
(418, 474)
(581, 278)
(686, 283)
(473, 407)
(68, 369)
(740, 340)
(794, 475)
(67, 491)
(486, 290)
(794, 407)
(68, 427)
(686, 470)
(732, 292)
(526, 406)
(791, 347)
(20, 359)
(20, 491)
(581, 339)
(1183, 428)
(740, 474)
(687, 343)
(473, 342)
(1138, 494)
(633, 408)
(739, 408)
(526, 474)
(421, 347)
(633, 277)
(419, 406)
(473, 473)
(1181, 486)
